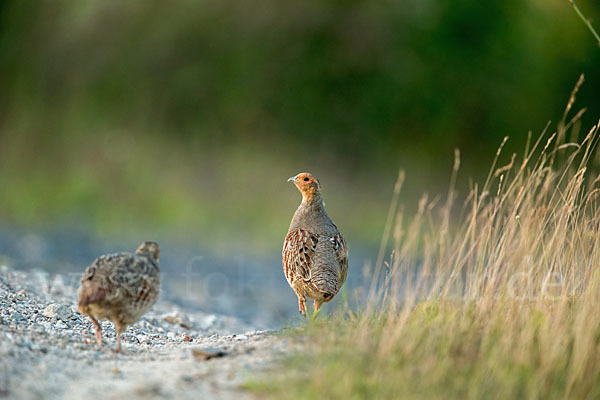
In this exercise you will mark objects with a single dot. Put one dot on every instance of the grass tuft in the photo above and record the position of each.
(495, 296)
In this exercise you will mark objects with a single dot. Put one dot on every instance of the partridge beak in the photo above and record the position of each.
(293, 179)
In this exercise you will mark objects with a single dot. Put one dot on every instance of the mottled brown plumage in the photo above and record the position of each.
(315, 256)
(120, 287)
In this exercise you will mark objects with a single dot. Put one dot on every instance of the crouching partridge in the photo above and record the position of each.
(315, 256)
(120, 287)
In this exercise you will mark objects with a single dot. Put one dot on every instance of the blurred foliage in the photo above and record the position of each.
(209, 94)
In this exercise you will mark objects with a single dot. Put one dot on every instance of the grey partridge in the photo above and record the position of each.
(120, 287)
(315, 256)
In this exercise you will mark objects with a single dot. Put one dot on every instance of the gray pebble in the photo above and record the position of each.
(57, 311)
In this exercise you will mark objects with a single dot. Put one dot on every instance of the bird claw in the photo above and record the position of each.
(302, 306)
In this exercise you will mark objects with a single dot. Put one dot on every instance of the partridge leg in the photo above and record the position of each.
(118, 329)
(98, 329)
(302, 305)
(316, 305)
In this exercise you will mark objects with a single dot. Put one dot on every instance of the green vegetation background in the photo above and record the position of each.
(188, 117)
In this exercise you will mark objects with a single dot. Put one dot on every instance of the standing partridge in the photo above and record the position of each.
(120, 287)
(315, 256)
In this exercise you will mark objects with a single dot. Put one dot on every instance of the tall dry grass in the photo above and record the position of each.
(494, 296)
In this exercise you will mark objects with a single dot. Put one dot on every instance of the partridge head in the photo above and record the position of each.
(308, 185)
(149, 249)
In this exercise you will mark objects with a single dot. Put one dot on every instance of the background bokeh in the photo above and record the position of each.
(182, 120)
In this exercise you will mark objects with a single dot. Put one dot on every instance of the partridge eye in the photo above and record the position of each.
(305, 179)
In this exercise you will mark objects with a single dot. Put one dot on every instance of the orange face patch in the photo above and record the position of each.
(307, 184)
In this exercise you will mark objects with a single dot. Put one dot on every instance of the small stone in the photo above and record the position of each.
(177, 318)
(61, 325)
(241, 337)
(57, 311)
(206, 353)
(185, 337)
(172, 318)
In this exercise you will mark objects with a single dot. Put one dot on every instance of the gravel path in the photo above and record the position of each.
(47, 349)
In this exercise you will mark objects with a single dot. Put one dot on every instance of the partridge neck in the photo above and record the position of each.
(312, 200)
